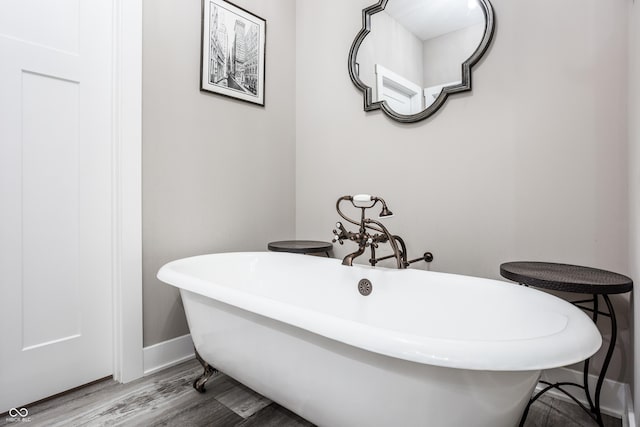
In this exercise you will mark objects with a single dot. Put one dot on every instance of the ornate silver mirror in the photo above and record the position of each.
(412, 54)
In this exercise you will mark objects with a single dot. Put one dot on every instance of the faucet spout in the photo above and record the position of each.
(348, 260)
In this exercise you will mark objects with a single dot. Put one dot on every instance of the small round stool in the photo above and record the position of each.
(582, 280)
(301, 247)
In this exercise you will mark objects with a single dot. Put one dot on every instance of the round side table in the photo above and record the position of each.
(301, 247)
(581, 280)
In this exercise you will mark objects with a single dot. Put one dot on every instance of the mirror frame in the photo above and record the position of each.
(465, 85)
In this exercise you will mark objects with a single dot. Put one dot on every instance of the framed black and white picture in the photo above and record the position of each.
(233, 51)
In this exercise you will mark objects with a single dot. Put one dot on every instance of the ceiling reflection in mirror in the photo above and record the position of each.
(412, 54)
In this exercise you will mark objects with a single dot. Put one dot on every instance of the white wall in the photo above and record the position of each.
(218, 174)
(531, 165)
(634, 178)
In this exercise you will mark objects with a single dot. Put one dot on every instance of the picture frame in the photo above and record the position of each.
(232, 60)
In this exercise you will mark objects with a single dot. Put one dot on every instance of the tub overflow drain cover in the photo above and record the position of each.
(365, 287)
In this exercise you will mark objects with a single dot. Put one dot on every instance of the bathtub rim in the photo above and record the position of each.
(527, 354)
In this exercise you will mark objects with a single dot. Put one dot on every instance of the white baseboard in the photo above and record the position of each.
(615, 397)
(629, 420)
(167, 353)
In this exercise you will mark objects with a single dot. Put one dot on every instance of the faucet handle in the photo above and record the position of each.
(339, 235)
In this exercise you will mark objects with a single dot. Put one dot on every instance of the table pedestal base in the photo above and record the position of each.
(594, 404)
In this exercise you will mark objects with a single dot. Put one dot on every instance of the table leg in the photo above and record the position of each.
(607, 359)
(594, 404)
(585, 371)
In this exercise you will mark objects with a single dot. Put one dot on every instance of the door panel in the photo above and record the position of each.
(55, 196)
(50, 210)
(397, 100)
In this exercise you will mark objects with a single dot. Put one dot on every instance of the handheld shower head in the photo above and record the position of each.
(385, 213)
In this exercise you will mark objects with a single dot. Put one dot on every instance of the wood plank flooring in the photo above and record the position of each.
(168, 399)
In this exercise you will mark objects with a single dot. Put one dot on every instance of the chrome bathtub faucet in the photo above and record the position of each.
(371, 233)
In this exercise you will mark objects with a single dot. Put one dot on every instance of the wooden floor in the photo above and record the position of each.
(168, 399)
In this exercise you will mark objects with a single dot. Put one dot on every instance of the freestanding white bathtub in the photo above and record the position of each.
(423, 349)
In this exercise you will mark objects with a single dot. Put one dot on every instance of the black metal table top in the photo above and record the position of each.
(566, 277)
(300, 246)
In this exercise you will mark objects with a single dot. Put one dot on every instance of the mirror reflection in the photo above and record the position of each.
(416, 48)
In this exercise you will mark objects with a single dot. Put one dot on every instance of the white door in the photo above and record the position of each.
(55, 197)
(402, 95)
(399, 100)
